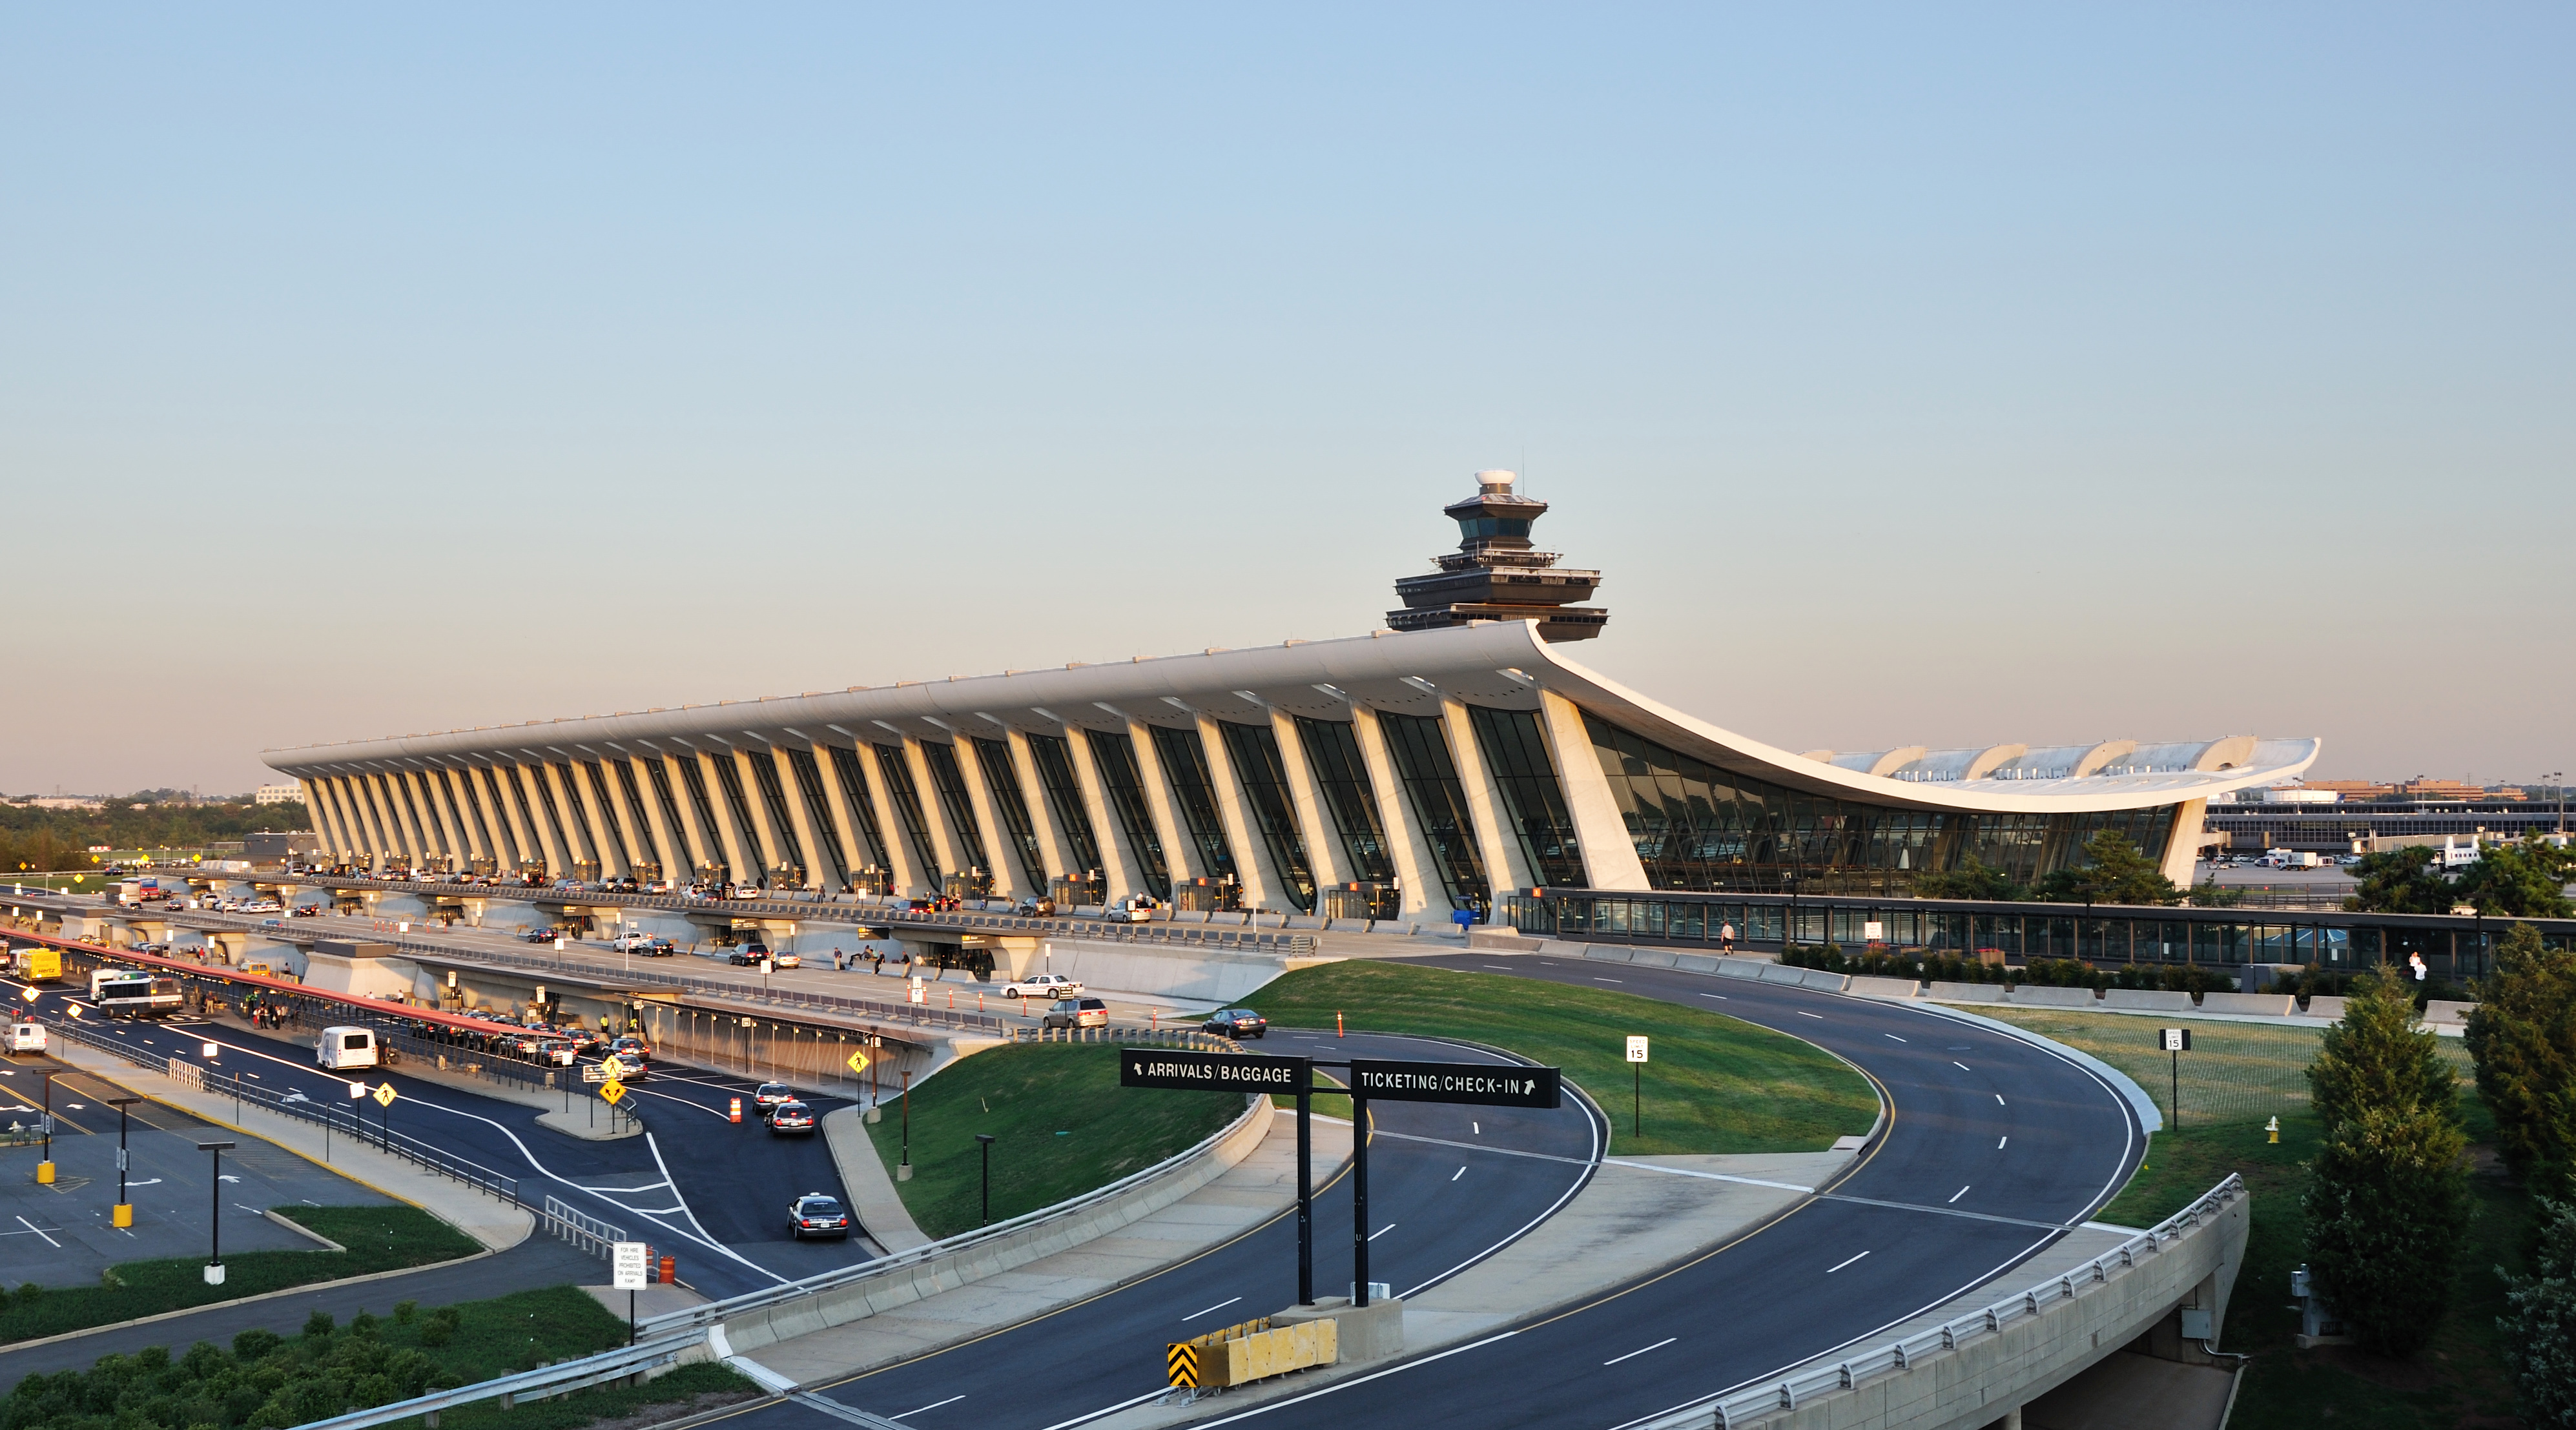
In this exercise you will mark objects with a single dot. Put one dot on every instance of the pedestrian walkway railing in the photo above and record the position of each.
(570, 1223)
(543, 1383)
(1753, 1404)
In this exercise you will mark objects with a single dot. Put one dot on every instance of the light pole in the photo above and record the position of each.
(903, 1169)
(45, 1168)
(214, 1212)
(986, 1139)
(124, 1214)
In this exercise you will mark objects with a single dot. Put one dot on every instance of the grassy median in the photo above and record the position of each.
(1060, 1123)
(1713, 1084)
(378, 1238)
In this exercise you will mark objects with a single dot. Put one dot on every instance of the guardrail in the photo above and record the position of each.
(1750, 1404)
(570, 1223)
(539, 1384)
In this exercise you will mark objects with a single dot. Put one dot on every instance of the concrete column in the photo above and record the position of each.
(578, 841)
(1609, 850)
(817, 841)
(552, 837)
(1008, 880)
(836, 802)
(1506, 867)
(740, 851)
(934, 812)
(669, 849)
(908, 877)
(1424, 895)
(1324, 852)
(1264, 887)
(391, 842)
(773, 850)
(1055, 850)
(433, 800)
(371, 817)
(328, 820)
(454, 807)
(698, 844)
(1119, 871)
(504, 777)
(2184, 844)
(1179, 849)
(606, 829)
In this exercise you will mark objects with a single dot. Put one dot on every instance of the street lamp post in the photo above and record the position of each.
(214, 1212)
(986, 1139)
(45, 1168)
(124, 1214)
(903, 1169)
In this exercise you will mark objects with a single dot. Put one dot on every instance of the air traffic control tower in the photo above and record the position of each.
(1497, 575)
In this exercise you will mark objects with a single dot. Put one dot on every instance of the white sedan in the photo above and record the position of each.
(1042, 985)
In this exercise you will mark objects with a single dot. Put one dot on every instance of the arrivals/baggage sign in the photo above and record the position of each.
(1488, 1084)
(1192, 1071)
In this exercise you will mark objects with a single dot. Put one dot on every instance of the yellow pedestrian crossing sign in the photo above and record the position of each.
(612, 1066)
(612, 1090)
(384, 1094)
(859, 1061)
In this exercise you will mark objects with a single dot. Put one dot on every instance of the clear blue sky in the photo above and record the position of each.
(1917, 374)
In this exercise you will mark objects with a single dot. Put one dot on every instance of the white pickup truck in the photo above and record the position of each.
(1042, 985)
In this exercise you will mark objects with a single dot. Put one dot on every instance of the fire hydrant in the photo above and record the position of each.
(2274, 1127)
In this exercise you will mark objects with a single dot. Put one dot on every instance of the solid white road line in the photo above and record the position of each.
(1641, 1350)
(1194, 1315)
(1839, 1265)
(40, 1231)
(1381, 1231)
(1954, 1196)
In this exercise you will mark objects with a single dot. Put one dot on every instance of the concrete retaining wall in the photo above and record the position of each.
(2269, 1005)
(1865, 986)
(1966, 992)
(2322, 1006)
(2147, 1000)
(916, 1280)
(1166, 973)
(2031, 995)
(2448, 1014)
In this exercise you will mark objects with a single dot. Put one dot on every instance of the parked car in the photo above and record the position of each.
(1042, 985)
(1076, 1013)
(1237, 1023)
(770, 1096)
(815, 1214)
(792, 1118)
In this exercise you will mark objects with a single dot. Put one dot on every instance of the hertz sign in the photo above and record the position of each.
(1488, 1084)
(1222, 1072)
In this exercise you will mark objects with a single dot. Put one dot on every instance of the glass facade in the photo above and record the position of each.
(657, 771)
(1054, 759)
(1333, 756)
(947, 778)
(782, 821)
(507, 842)
(1515, 750)
(906, 799)
(636, 819)
(1002, 785)
(693, 774)
(1699, 827)
(1184, 759)
(729, 780)
(863, 812)
(818, 812)
(607, 807)
(1419, 749)
(1124, 783)
(544, 807)
(1254, 752)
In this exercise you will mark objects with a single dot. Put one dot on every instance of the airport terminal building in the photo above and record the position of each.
(1442, 763)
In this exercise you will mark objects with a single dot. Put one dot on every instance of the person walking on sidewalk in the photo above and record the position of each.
(1726, 937)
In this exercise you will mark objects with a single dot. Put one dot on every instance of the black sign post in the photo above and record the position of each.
(1186, 1070)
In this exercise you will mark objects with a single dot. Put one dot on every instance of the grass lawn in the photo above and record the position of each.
(1061, 1126)
(1716, 1084)
(268, 1380)
(2252, 1072)
(379, 1238)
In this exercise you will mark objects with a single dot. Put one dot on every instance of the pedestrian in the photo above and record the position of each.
(1726, 937)
(836, 960)
(880, 968)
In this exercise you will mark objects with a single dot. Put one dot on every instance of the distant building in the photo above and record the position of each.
(2349, 828)
(289, 793)
(64, 801)
(265, 848)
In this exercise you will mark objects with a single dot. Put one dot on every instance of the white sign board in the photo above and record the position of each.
(627, 1266)
(357, 1090)
(594, 1073)
(1873, 932)
(1636, 1050)
(920, 991)
(2173, 1040)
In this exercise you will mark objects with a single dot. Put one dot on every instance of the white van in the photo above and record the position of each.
(346, 1048)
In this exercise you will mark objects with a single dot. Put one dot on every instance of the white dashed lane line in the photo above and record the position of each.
(1641, 1350)
(1954, 1196)
(1839, 1265)
(1891, 1037)
(1803, 1013)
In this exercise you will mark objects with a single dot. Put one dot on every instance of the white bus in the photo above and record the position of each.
(134, 993)
(346, 1048)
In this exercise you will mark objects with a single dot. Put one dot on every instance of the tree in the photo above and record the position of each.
(2525, 880)
(2374, 1058)
(2114, 872)
(2540, 1324)
(2400, 881)
(2386, 1212)
(1971, 880)
(2522, 1036)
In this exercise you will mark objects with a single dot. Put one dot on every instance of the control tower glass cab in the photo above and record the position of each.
(1497, 575)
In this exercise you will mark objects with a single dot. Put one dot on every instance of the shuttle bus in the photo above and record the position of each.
(133, 993)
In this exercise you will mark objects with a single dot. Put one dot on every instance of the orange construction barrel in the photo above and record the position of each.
(737, 1110)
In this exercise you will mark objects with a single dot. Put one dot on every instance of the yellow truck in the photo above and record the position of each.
(36, 965)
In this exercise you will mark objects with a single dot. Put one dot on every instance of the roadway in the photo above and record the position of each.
(1993, 1150)
(695, 1185)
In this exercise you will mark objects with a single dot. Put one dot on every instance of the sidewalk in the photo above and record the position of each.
(1256, 1189)
(873, 1199)
(487, 1219)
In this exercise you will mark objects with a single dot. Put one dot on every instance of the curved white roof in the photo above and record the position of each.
(1499, 663)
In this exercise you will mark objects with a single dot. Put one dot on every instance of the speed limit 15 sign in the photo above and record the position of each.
(1636, 1050)
(2173, 1040)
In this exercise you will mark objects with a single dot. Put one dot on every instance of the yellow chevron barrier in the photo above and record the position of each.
(1253, 1350)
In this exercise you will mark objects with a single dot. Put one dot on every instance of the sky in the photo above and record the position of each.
(1916, 375)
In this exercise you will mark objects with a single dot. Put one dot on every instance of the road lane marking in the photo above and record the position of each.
(1720, 997)
(2000, 1141)
(1457, 1174)
(1954, 1196)
(1999, 1100)
(1839, 1265)
(40, 1231)
(1381, 1231)
(1641, 1350)
(934, 1405)
(1803, 1013)
(1599, 979)
(1963, 1067)
(1891, 1037)
(1478, 1127)
(1192, 1316)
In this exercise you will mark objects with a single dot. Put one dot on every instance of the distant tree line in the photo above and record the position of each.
(37, 840)
(2523, 880)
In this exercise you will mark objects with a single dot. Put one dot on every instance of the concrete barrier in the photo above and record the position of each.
(2328, 1008)
(1818, 978)
(1866, 986)
(1608, 952)
(1696, 962)
(1729, 966)
(1781, 973)
(1965, 992)
(2448, 1014)
(2147, 1000)
(2267, 1005)
(932, 1270)
(1652, 957)
(2031, 995)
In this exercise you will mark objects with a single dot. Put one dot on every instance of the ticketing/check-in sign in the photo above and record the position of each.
(1486, 1084)
(626, 1266)
(1227, 1072)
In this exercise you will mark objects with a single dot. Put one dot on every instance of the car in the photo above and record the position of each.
(1237, 1023)
(657, 948)
(1042, 985)
(815, 1214)
(746, 954)
(632, 1049)
(636, 942)
(1076, 1013)
(785, 960)
(770, 1096)
(792, 1118)
(542, 935)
